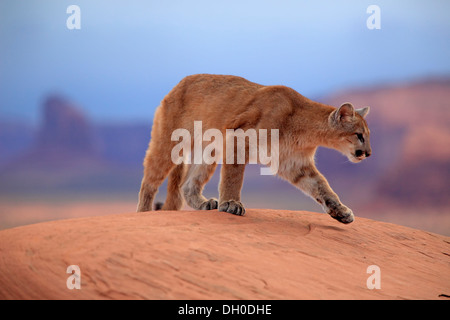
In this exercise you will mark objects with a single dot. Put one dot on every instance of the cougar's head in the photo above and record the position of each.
(351, 131)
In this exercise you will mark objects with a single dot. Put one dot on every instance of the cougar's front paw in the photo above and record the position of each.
(210, 204)
(342, 214)
(232, 206)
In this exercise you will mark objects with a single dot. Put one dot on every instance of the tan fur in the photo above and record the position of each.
(230, 102)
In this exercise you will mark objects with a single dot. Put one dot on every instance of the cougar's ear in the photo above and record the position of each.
(344, 113)
(363, 112)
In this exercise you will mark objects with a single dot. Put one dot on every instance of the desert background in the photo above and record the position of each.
(76, 111)
(76, 105)
(69, 166)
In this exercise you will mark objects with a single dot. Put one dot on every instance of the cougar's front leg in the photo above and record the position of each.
(313, 183)
(231, 179)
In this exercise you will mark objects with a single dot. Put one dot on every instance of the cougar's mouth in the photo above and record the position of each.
(356, 159)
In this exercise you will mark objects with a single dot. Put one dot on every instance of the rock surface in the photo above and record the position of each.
(266, 254)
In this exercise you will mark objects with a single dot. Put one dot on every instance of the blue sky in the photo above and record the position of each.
(129, 54)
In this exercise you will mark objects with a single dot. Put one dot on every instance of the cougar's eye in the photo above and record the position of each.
(360, 137)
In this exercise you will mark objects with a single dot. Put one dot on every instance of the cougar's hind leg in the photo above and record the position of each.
(196, 178)
(156, 169)
(174, 200)
(157, 163)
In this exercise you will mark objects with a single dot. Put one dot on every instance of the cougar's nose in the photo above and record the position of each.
(368, 153)
(359, 153)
